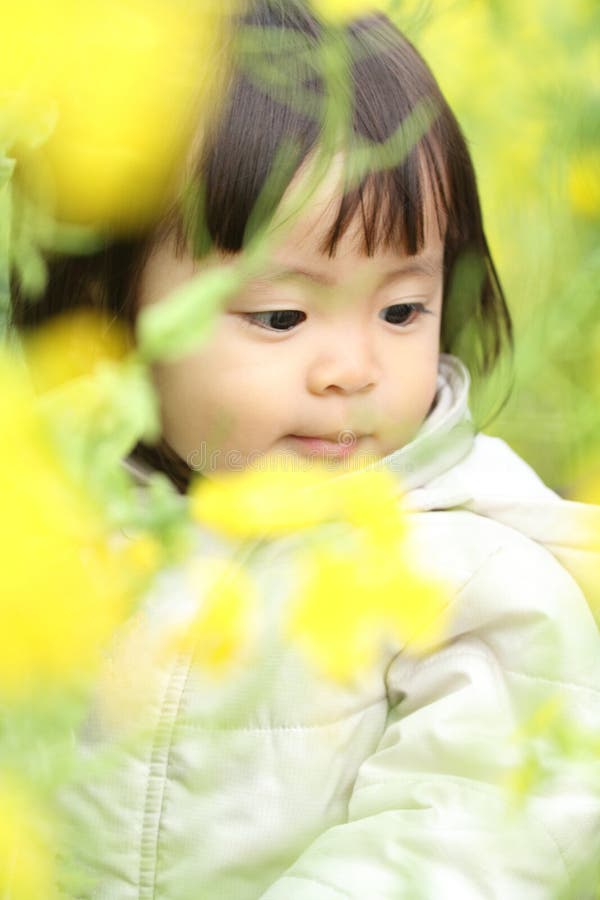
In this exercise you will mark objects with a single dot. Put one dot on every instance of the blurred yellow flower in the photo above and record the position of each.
(371, 498)
(357, 588)
(583, 181)
(224, 631)
(218, 630)
(256, 503)
(102, 79)
(353, 600)
(71, 346)
(143, 553)
(329, 620)
(95, 395)
(65, 581)
(26, 857)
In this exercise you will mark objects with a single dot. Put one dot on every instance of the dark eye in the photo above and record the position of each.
(402, 313)
(278, 319)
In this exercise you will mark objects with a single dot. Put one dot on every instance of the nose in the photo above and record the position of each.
(346, 366)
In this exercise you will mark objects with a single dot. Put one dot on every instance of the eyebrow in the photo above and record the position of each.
(422, 265)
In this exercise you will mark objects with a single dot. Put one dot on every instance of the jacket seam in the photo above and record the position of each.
(156, 780)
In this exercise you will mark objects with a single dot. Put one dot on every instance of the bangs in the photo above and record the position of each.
(392, 207)
(269, 128)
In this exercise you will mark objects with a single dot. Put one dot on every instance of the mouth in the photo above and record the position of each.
(339, 444)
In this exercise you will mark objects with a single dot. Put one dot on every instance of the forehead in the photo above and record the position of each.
(311, 207)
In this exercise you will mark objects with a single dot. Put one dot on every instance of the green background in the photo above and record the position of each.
(523, 77)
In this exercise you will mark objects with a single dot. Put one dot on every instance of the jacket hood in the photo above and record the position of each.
(448, 466)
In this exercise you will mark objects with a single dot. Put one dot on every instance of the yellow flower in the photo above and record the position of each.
(64, 582)
(358, 587)
(143, 553)
(371, 499)
(26, 858)
(219, 632)
(71, 346)
(95, 396)
(583, 181)
(275, 502)
(223, 633)
(254, 503)
(355, 598)
(329, 620)
(103, 78)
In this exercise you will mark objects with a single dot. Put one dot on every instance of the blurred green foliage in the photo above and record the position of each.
(524, 81)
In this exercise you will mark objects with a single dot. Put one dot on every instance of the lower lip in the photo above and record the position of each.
(320, 447)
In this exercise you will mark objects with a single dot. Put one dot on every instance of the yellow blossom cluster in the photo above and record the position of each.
(66, 581)
(356, 590)
(350, 603)
(87, 90)
(225, 629)
(72, 346)
(60, 594)
(274, 501)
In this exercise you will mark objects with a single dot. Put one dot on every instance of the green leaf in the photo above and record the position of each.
(184, 319)
(369, 157)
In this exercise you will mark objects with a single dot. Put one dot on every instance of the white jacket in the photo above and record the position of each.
(391, 787)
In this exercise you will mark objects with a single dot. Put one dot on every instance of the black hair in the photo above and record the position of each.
(274, 116)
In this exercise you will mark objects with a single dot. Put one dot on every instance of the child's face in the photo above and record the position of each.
(321, 356)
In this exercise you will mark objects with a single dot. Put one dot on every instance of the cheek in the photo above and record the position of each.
(189, 391)
(187, 403)
(426, 382)
(412, 385)
(222, 397)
